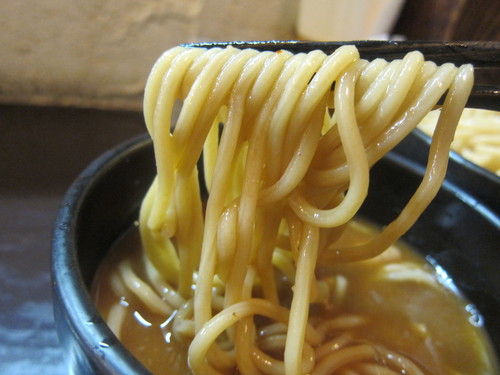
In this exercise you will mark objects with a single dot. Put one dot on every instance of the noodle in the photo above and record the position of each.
(286, 164)
(477, 137)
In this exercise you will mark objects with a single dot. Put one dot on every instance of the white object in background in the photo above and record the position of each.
(339, 20)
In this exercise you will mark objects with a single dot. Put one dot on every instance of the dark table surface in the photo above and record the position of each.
(42, 150)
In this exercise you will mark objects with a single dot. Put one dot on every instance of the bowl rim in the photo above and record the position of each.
(69, 289)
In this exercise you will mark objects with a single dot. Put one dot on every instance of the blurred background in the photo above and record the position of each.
(97, 53)
(72, 74)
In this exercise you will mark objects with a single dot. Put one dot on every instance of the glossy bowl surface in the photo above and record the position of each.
(460, 232)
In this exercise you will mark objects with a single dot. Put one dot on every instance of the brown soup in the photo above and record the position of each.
(400, 301)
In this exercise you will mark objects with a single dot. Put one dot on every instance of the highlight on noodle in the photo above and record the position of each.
(239, 277)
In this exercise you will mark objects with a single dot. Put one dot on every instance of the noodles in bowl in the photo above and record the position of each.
(477, 137)
(250, 279)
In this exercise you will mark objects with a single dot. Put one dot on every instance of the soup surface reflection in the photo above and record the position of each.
(398, 300)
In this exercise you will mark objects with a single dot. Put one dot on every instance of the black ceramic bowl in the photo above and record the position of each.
(460, 231)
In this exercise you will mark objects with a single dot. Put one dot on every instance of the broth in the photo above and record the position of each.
(405, 303)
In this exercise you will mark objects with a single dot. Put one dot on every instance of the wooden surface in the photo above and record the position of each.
(450, 20)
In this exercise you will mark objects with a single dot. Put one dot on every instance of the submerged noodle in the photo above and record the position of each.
(288, 141)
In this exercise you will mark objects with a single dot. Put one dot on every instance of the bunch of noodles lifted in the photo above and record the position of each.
(286, 141)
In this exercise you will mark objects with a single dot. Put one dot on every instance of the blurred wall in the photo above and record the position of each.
(98, 53)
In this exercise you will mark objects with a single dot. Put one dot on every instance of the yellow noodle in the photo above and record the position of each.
(432, 180)
(299, 310)
(343, 357)
(116, 317)
(142, 290)
(286, 165)
(332, 345)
